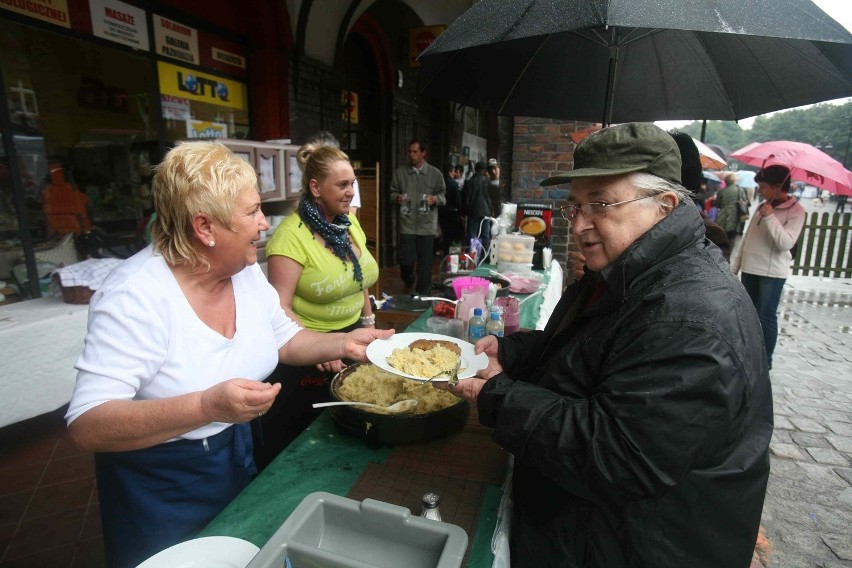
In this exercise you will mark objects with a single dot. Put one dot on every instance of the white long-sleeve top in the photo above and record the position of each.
(765, 250)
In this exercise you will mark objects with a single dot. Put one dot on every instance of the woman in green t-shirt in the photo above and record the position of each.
(318, 260)
(319, 263)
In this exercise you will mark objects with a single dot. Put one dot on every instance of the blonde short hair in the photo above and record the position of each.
(731, 179)
(195, 177)
(315, 159)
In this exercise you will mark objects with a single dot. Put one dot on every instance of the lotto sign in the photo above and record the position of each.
(197, 86)
(206, 129)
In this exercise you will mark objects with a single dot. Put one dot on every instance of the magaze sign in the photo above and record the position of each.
(119, 22)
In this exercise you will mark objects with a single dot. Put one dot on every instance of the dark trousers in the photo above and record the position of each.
(154, 498)
(765, 294)
(452, 229)
(415, 252)
(732, 238)
(292, 411)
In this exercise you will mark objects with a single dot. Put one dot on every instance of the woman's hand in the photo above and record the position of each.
(356, 341)
(332, 366)
(238, 400)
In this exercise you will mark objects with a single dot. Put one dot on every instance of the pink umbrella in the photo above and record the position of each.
(806, 163)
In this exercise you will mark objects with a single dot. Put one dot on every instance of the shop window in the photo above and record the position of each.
(198, 104)
(86, 136)
(474, 121)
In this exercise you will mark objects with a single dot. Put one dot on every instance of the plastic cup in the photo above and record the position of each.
(456, 328)
(439, 325)
(511, 313)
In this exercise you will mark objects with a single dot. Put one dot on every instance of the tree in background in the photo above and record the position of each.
(826, 126)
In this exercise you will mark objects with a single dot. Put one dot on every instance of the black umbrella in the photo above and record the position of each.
(639, 60)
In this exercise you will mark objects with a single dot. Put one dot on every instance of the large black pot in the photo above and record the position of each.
(389, 429)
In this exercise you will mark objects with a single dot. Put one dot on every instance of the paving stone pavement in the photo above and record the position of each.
(807, 517)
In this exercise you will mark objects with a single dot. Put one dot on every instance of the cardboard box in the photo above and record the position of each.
(534, 219)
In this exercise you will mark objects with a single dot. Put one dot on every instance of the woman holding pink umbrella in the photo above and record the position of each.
(764, 257)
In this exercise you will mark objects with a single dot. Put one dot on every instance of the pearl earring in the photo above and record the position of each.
(212, 243)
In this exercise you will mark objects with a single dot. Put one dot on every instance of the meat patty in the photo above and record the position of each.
(427, 344)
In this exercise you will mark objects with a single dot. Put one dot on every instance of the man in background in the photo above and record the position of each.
(478, 206)
(732, 203)
(419, 190)
(493, 174)
(450, 215)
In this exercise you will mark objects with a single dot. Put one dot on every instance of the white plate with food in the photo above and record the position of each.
(381, 350)
(205, 552)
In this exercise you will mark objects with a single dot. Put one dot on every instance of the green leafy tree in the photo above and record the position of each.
(826, 126)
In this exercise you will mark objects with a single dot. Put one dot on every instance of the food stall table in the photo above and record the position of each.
(40, 341)
(466, 468)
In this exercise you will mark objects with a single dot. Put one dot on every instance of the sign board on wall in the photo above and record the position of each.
(349, 106)
(175, 108)
(227, 57)
(419, 39)
(202, 87)
(119, 22)
(51, 11)
(175, 40)
(206, 129)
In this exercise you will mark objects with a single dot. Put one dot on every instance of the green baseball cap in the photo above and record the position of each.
(622, 149)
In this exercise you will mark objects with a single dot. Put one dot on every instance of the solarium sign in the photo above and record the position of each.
(197, 86)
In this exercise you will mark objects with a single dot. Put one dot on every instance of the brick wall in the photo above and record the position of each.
(540, 148)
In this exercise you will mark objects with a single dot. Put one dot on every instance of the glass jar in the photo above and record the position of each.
(430, 507)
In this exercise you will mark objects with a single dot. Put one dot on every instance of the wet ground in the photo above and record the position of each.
(807, 517)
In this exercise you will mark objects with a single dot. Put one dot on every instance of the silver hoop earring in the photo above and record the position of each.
(212, 243)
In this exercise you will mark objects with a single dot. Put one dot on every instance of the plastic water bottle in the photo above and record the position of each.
(476, 326)
(495, 323)
(430, 507)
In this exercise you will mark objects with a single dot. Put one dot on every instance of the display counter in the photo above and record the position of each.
(467, 469)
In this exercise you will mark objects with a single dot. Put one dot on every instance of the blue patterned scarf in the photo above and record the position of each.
(336, 235)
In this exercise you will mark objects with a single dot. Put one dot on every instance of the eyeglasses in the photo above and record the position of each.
(593, 209)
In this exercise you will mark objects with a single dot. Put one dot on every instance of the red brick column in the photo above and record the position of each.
(540, 148)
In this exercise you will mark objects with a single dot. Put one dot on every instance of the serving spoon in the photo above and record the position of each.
(437, 298)
(401, 406)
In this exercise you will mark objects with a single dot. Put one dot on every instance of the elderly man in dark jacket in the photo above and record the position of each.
(640, 417)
